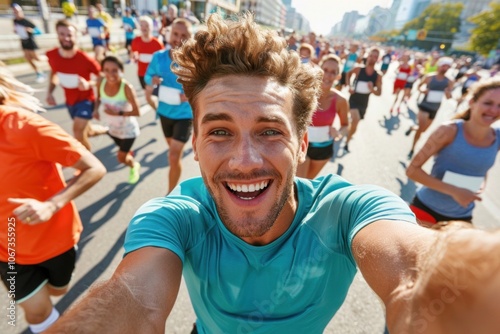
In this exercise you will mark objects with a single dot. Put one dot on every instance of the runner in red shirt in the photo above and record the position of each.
(402, 74)
(72, 68)
(144, 46)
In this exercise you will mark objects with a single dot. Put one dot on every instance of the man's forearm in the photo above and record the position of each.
(109, 307)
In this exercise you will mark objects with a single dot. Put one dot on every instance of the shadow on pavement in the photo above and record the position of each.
(390, 123)
(408, 187)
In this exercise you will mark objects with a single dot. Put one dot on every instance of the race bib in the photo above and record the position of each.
(21, 31)
(435, 96)
(145, 57)
(318, 134)
(68, 80)
(402, 76)
(386, 60)
(94, 32)
(169, 95)
(127, 27)
(349, 63)
(412, 78)
(362, 87)
(472, 183)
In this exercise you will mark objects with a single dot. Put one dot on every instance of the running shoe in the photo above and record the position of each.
(410, 155)
(134, 173)
(346, 148)
(40, 77)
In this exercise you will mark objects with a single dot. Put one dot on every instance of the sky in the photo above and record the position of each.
(323, 14)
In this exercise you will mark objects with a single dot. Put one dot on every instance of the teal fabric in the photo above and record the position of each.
(294, 284)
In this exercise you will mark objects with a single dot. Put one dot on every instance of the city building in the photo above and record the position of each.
(271, 13)
(408, 10)
(471, 8)
(348, 25)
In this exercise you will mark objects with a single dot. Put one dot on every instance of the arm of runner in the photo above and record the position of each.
(97, 102)
(387, 253)
(378, 86)
(342, 112)
(425, 80)
(132, 99)
(51, 101)
(355, 72)
(439, 139)
(449, 89)
(137, 299)
(91, 171)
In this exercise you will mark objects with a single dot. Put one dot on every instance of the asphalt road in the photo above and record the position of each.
(378, 156)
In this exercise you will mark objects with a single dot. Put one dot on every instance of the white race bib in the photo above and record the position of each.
(435, 96)
(169, 95)
(94, 32)
(145, 57)
(402, 76)
(21, 31)
(412, 78)
(472, 183)
(349, 63)
(318, 134)
(68, 80)
(362, 87)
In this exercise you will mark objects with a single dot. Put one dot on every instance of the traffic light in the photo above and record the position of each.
(422, 34)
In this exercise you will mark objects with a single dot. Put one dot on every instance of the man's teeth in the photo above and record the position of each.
(245, 188)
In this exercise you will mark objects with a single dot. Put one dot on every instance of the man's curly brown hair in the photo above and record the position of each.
(241, 47)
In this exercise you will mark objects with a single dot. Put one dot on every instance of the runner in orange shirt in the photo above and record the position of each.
(40, 223)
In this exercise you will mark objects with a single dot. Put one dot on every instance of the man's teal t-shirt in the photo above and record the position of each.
(293, 285)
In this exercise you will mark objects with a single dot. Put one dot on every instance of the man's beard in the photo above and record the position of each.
(67, 46)
(252, 226)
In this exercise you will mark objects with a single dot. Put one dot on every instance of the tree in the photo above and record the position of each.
(440, 21)
(486, 34)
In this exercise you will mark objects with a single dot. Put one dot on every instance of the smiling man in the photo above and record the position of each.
(261, 251)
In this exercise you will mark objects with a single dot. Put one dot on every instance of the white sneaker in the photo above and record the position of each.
(40, 77)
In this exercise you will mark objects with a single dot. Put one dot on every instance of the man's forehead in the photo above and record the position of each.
(241, 82)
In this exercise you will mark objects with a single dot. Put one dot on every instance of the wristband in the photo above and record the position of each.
(120, 113)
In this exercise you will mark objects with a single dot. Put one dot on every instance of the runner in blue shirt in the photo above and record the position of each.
(96, 28)
(172, 106)
(129, 25)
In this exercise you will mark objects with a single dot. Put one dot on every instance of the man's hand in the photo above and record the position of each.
(32, 211)
(83, 84)
(156, 80)
(51, 101)
(464, 196)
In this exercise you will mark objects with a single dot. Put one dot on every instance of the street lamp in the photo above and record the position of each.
(44, 11)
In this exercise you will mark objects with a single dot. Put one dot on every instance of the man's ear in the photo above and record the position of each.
(193, 142)
(304, 143)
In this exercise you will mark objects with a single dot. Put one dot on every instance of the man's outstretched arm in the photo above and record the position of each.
(388, 254)
(137, 299)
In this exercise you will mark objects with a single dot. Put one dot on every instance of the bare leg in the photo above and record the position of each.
(80, 131)
(353, 125)
(175, 162)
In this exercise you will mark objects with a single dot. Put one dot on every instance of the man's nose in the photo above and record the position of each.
(247, 155)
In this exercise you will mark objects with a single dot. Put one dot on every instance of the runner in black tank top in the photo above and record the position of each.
(437, 87)
(367, 81)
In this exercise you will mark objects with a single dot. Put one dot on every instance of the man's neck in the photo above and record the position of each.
(67, 53)
(147, 38)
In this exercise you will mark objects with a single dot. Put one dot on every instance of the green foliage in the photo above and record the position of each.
(440, 20)
(486, 35)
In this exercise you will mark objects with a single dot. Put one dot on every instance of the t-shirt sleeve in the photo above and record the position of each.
(365, 204)
(151, 69)
(51, 143)
(162, 222)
